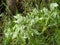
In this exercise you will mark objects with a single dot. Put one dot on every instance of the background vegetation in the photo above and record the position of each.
(38, 24)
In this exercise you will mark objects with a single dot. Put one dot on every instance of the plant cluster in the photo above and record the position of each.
(39, 27)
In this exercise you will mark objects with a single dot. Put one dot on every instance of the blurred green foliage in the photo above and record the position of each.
(39, 27)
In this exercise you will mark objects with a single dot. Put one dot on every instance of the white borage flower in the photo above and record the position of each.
(25, 36)
(6, 35)
(53, 5)
(15, 34)
(37, 18)
(45, 10)
(0, 15)
(18, 15)
(32, 34)
(35, 11)
(41, 18)
(17, 21)
(41, 11)
(15, 16)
